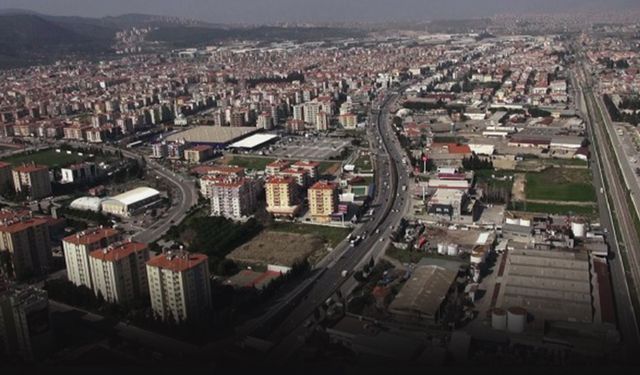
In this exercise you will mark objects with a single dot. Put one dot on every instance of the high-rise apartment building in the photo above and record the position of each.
(282, 196)
(77, 248)
(179, 285)
(323, 200)
(119, 271)
(25, 239)
(33, 180)
(233, 197)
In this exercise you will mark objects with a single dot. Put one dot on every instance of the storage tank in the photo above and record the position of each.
(499, 319)
(442, 249)
(452, 250)
(578, 229)
(516, 319)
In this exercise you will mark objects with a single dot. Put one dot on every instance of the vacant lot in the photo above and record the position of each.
(279, 248)
(330, 235)
(555, 209)
(50, 158)
(561, 184)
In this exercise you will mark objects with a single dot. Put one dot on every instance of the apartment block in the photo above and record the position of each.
(77, 248)
(26, 241)
(233, 197)
(33, 180)
(179, 285)
(323, 200)
(119, 271)
(282, 196)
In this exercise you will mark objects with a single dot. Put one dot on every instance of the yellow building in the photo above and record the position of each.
(282, 196)
(323, 200)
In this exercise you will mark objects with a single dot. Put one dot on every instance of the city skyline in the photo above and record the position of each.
(273, 11)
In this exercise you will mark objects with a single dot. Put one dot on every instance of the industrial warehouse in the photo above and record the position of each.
(216, 136)
(131, 202)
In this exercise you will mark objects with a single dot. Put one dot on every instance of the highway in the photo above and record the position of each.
(624, 236)
(390, 202)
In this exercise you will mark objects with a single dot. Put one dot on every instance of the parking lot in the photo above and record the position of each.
(315, 148)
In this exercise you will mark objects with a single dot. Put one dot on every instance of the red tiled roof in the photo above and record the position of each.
(29, 168)
(280, 180)
(90, 236)
(17, 226)
(322, 185)
(458, 149)
(179, 262)
(112, 254)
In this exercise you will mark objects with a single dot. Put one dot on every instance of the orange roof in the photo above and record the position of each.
(322, 185)
(4, 165)
(14, 226)
(458, 149)
(90, 236)
(29, 168)
(278, 164)
(217, 169)
(115, 253)
(228, 182)
(280, 180)
(306, 164)
(177, 261)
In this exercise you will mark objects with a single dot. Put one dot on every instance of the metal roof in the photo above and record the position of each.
(136, 195)
(254, 141)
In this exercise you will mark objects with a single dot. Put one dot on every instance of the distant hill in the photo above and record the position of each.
(181, 36)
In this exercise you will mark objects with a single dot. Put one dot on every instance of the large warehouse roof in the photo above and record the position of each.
(254, 141)
(87, 204)
(212, 134)
(135, 195)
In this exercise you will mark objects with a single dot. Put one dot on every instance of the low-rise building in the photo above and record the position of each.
(198, 154)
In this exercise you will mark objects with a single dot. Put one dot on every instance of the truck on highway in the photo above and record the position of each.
(404, 187)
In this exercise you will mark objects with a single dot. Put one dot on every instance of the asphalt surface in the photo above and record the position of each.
(186, 198)
(390, 202)
(624, 237)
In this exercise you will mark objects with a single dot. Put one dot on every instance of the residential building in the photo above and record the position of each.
(198, 154)
(323, 200)
(26, 240)
(77, 248)
(6, 178)
(79, 173)
(233, 197)
(179, 285)
(119, 271)
(25, 323)
(33, 180)
(282, 196)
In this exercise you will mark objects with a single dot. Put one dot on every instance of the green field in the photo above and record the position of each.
(561, 184)
(50, 158)
(363, 163)
(554, 209)
(332, 235)
(249, 162)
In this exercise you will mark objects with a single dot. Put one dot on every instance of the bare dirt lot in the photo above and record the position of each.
(278, 248)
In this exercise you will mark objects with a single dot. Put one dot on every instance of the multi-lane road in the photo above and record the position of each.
(390, 202)
(623, 237)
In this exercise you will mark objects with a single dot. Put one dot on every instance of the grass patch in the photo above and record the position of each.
(404, 256)
(50, 158)
(249, 162)
(325, 166)
(554, 209)
(331, 235)
(560, 184)
(363, 163)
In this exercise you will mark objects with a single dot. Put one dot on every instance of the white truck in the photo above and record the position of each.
(345, 273)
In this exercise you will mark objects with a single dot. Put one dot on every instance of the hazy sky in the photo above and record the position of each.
(268, 11)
